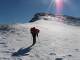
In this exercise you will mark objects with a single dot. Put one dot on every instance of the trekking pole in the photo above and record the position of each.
(38, 40)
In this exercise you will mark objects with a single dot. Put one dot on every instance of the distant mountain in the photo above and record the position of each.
(38, 15)
(72, 20)
(69, 20)
(66, 19)
(5, 27)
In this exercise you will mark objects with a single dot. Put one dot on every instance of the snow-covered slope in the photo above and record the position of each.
(56, 40)
(70, 20)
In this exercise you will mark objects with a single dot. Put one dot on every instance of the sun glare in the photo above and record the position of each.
(59, 5)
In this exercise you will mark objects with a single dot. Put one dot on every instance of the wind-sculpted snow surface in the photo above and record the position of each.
(56, 41)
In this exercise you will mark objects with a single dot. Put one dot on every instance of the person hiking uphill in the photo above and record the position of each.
(34, 31)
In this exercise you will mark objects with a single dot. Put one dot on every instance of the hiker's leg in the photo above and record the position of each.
(34, 39)
(37, 34)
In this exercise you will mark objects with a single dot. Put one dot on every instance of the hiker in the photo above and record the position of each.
(34, 31)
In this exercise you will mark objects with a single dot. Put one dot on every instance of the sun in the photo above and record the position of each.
(59, 5)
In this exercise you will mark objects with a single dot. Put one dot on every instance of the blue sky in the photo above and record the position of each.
(21, 11)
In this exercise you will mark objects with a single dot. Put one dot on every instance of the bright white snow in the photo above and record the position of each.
(56, 40)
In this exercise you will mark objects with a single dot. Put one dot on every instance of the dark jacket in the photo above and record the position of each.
(34, 31)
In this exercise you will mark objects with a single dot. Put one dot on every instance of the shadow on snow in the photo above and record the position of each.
(22, 51)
